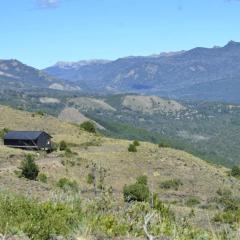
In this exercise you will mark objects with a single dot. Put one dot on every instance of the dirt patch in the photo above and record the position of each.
(151, 104)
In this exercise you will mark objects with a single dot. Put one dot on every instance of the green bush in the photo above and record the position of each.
(229, 217)
(159, 206)
(235, 172)
(192, 201)
(3, 132)
(66, 184)
(164, 145)
(40, 113)
(171, 184)
(132, 148)
(138, 191)
(229, 203)
(39, 221)
(136, 143)
(88, 126)
(63, 145)
(29, 168)
(42, 177)
(224, 192)
(90, 178)
(142, 180)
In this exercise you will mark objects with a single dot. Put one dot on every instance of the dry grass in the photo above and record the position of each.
(199, 178)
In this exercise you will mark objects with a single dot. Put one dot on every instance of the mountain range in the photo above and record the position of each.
(200, 73)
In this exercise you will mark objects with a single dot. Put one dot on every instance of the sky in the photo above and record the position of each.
(41, 32)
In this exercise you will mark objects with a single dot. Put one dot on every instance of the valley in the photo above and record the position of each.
(186, 143)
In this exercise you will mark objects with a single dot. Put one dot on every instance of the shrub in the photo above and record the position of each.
(163, 145)
(90, 178)
(229, 203)
(3, 132)
(171, 184)
(235, 172)
(68, 152)
(136, 192)
(62, 145)
(38, 221)
(88, 126)
(142, 180)
(227, 217)
(29, 168)
(55, 146)
(67, 184)
(40, 113)
(136, 143)
(132, 148)
(192, 201)
(42, 177)
(159, 206)
(223, 192)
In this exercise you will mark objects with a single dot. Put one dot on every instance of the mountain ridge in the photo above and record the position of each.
(168, 75)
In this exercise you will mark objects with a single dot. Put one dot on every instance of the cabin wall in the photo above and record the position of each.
(44, 141)
(20, 143)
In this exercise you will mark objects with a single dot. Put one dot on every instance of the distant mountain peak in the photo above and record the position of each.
(65, 64)
(233, 44)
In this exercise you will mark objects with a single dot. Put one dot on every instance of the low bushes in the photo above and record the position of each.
(163, 144)
(66, 184)
(88, 126)
(42, 177)
(171, 184)
(192, 201)
(39, 221)
(90, 178)
(102, 218)
(138, 191)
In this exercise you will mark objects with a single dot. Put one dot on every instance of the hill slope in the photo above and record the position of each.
(199, 180)
(15, 75)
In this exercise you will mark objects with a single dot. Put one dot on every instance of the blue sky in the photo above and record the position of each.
(42, 32)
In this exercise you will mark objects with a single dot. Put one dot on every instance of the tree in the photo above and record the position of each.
(88, 126)
(136, 143)
(63, 146)
(132, 148)
(3, 132)
(29, 168)
(235, 172)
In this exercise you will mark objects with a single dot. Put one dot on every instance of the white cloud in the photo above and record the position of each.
(48, 3)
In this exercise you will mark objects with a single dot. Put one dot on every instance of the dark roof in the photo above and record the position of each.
(24, 135)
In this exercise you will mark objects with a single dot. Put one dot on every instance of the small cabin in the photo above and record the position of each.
(38, 140)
